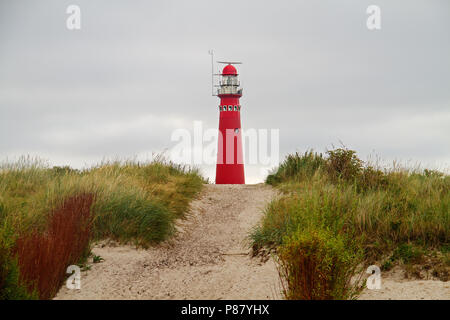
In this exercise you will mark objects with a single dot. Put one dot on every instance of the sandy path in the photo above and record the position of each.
(208, 259)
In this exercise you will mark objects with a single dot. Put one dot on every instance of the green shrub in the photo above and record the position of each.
(11, 288)
(125, 216)
(408, 253)
(344, 164)
(387, 208)
(316, 264)
(297, 167)
(397, 210)
(372, 178)
(313, 204)
(133, 202)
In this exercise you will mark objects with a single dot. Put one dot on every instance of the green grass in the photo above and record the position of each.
(133, 203)
(316, 264)
(399, 214)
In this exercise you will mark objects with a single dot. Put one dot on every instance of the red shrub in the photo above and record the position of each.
(44, 257)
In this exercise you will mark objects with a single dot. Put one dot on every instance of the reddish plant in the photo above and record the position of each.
(44, 256)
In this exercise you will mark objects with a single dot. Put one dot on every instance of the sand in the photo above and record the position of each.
(394, 286)
(209, 258)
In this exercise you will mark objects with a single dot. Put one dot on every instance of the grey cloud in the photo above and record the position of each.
(311, 68)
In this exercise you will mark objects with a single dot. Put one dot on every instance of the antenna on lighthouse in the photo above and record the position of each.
(229, 62)
(211, 52)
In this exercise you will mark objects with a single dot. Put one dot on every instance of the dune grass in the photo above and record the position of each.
(389, 214)
(49, 216)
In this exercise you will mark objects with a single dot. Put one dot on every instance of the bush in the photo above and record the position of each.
(398, 210)
(11, 287)
(126, 216)
(408, 253)
(343, 164)
(318, 265)
(372, 178)
(48, 216)
(44, 256)
(297, 167)
(313, 204)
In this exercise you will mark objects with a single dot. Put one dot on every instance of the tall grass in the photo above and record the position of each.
(318, 265)
(339, 194)
(49, 216)
(44, 256)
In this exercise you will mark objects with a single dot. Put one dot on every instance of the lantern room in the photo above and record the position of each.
(229, 82)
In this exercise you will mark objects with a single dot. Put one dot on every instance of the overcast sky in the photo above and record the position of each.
(138, 70)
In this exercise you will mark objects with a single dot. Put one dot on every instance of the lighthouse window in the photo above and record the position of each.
(230, 108)
(220, 108)
(239, 108)
(235, 108)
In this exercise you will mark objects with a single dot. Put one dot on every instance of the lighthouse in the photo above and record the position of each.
(230, 164)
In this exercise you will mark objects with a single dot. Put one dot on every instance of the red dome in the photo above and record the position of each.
(229, 70)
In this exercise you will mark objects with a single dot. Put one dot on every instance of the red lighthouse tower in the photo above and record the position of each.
(230, 164)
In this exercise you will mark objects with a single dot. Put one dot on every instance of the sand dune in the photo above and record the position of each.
(209, 259)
